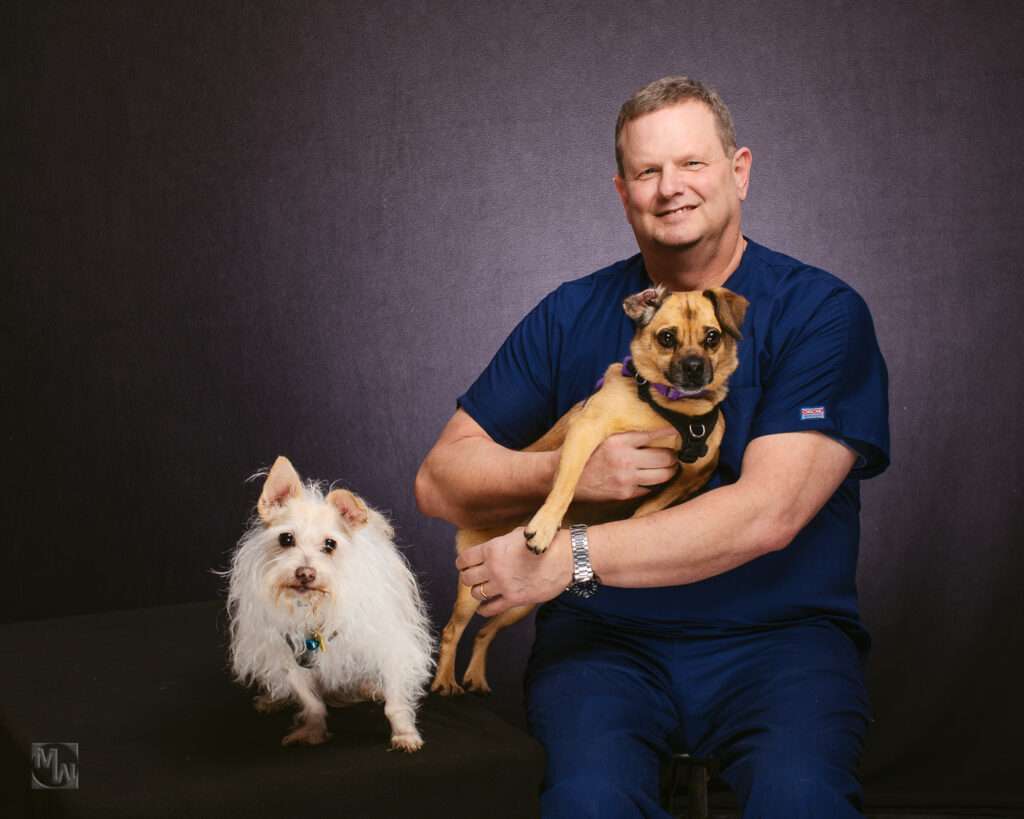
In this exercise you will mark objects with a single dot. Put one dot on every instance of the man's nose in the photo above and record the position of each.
(671, 181)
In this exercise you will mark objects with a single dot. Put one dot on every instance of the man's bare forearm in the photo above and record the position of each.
(473, 482)
(786, 479)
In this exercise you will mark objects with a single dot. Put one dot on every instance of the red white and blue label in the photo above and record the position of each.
(812, 414)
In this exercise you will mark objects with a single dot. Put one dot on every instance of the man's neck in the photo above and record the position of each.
(694, 268)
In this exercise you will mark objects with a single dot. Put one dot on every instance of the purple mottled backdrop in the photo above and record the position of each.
(235, 229)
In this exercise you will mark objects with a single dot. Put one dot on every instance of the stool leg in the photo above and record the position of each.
(699, 772)
(697, 792)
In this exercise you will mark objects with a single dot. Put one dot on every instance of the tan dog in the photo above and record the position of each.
(681, 358)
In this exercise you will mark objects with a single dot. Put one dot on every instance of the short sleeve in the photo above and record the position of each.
(826, 373)
(512, 398)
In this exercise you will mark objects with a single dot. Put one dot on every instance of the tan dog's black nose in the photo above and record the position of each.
(305, 575)
(691, 372)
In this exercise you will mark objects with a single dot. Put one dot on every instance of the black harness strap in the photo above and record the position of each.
(693, 429)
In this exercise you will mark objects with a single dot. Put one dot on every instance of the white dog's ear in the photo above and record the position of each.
(349, 506)
(642, 306)
(281, 486)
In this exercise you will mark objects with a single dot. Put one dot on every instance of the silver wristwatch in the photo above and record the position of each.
(584, 582)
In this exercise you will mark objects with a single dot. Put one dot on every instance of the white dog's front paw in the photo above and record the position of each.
(409, 741)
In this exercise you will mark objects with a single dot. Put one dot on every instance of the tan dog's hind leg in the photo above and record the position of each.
(475, 678)
(444, 678)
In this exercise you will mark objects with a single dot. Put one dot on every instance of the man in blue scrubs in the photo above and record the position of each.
(725, 626)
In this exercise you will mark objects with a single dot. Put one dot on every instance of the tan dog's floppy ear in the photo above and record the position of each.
(281, 485)
(349, 506)
(730, 309)
(641, 307)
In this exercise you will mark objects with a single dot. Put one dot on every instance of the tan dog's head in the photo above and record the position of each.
(687, 340)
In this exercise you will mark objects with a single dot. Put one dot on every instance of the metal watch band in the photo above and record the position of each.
(584, 582)
(581, 568)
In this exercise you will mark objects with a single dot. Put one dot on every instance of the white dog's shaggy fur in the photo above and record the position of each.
(324, 607)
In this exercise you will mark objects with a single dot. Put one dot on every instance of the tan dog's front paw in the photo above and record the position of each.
(539, 533)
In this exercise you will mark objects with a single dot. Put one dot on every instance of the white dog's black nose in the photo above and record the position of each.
(305, 575)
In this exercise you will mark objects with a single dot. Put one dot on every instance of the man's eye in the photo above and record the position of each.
(648, 171)
(694, 165)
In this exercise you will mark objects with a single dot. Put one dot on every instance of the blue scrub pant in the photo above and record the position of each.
(785, 711)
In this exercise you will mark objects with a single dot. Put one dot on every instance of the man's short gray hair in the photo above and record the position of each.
(672, 91)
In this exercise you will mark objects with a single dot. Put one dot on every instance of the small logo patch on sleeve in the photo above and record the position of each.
(812, 414)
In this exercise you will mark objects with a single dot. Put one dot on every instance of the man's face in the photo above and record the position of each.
(679, 188)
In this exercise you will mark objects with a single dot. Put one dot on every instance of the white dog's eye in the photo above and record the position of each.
(286, 539)
(330, 545)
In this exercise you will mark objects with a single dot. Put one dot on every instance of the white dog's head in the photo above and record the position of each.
(290, 557)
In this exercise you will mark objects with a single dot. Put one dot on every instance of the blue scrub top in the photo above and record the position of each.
(809, 360)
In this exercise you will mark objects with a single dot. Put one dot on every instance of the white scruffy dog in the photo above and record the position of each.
(324, 607)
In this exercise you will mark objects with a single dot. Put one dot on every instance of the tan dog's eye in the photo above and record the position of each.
(330, 545)
(667, 339)
(286, 539)
(712, 338)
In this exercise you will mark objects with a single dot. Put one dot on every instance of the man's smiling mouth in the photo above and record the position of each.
(682, 209)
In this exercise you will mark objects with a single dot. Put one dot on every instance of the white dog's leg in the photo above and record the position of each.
(311, 721)
(402, 716)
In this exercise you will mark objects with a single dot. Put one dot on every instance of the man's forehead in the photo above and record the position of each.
(682, 127)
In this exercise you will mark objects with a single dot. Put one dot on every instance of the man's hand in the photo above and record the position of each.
(510, 575)
(624, 466)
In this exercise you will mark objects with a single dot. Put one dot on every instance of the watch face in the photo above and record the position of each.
(585, 588)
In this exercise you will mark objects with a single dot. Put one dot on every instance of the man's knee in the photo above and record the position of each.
(796, 784)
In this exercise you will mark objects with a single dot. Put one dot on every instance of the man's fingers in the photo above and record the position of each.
(469, 558)
(492, 607)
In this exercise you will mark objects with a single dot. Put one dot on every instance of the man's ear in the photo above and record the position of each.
(620, 186)
(742, 159)
(642, 306)
(281, 486)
